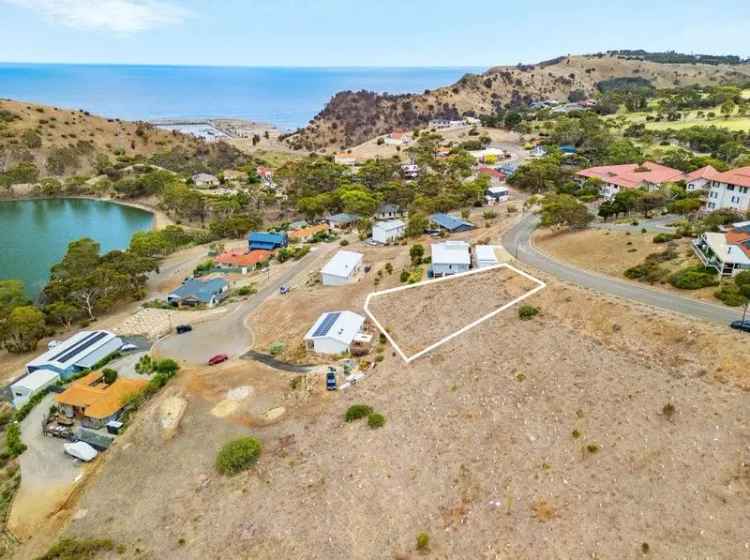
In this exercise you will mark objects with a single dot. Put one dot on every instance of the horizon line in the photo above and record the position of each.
(268, 66)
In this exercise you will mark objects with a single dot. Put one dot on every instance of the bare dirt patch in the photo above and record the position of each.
(420, 316)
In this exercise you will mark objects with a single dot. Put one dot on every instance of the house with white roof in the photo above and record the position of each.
(32, 384)
(341, 269)
(387, 231)
(484, 256)
(398, 138)
(205, 180)
(81, 351)
(450, 257)
(334, 332)
(727, 252)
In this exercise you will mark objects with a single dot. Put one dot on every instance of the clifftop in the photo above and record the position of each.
(351, 118)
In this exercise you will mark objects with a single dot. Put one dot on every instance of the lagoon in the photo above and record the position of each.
(34, 234)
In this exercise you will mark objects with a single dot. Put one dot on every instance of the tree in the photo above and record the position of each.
(728, 107)
(540, 175)
(62, 313)
(564, 210)
(357, 200)
(416, 252)
(109, 375)
(648, 201)
(417, 224)
(24, 329)
(685, 206)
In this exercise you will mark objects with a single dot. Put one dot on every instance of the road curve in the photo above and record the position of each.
(517, 241)
(227, 334)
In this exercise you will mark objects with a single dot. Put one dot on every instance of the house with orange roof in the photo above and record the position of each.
(398, 138)
(615, 178)
(308, 232)
(344, 158)
(700, 179)
(727, 252)
(242, 259)
(95, 402)
(730, 190)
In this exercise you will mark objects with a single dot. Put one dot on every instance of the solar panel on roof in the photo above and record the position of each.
(326, 325)
(66, 350)
(78, 348)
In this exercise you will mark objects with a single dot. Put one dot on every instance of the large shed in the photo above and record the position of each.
(387, 231)
(32, 384)
(79, 352)
(451, 223)
(450, 257)
(341, 269)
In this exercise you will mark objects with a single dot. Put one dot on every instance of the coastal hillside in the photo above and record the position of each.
(41, 141)
(351, 118)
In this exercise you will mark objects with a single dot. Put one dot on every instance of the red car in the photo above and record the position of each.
(219, 358)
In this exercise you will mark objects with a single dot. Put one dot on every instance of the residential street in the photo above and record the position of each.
(228, 334)
(517, 241)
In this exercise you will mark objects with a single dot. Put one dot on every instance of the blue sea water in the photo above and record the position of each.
(285, 97)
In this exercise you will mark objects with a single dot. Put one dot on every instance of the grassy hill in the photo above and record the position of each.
(52, 142)
(351, 118)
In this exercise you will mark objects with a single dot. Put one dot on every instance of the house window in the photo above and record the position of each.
(730, 187)
(743, 190)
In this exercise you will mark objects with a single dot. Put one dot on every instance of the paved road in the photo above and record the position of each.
(47, 474)
(517, 242)
(227, 334)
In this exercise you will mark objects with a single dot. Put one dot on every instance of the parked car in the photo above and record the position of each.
(128, 348)
(741, 325)
(81, 451)
(219, 358)
(182, 329)
(331, 380)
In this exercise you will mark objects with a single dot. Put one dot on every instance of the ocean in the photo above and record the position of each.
(285, 97)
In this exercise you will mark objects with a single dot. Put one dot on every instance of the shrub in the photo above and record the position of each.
(694, 278)
(276, 348)
(526, 312)
(238, 455)
(423, 541)
(664, 237)
(246, 291)
(357, 411)
(668, 411)
(375, 420)
(344, 242)
(109, 375)
(730, 295)
(167, 366)
(13, 440)
(74, 549)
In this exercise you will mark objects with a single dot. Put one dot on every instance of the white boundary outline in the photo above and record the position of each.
(408, 359)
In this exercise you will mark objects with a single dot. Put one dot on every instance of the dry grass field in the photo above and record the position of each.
(613, 252)
(423, 315)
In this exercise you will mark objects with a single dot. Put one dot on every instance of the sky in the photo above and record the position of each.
(361, 32)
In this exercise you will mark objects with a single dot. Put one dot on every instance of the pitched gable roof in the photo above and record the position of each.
(632, 175)
(707, 172)
(740, 176)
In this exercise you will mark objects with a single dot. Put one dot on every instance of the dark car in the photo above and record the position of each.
(331, 380)
(182, 329)
(741, 325)
(216, 360)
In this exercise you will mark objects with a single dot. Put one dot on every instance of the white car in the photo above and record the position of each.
(128, 348)
(81, 451)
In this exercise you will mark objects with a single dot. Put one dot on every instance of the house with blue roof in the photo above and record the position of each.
(199, 291)
(451, 223)
(509, 168)
(267, 240)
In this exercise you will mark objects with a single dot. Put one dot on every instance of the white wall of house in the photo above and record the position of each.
(334, 280)
(446, 269)
(383, 234)
(329, 346)
(733, 197)
(697, 185)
